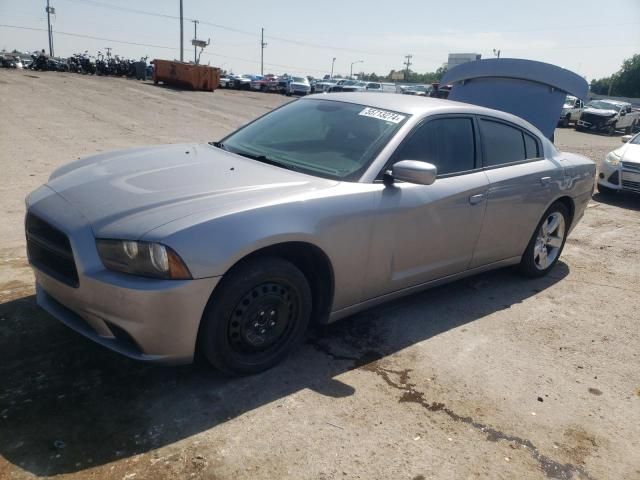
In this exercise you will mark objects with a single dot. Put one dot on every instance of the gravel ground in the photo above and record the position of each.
(490, 377)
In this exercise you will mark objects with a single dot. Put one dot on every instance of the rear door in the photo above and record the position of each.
(521, 185)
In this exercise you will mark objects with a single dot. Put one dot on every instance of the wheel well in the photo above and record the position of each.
(313, 263)
(568, 202)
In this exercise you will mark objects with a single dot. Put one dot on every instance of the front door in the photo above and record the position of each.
(425, 232)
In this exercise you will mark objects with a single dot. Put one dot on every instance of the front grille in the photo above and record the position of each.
(629, 185)
(632, 167)
(49, 250)
(593, 119)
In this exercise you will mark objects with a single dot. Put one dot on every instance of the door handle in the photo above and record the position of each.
(545, 180)
(476, 199)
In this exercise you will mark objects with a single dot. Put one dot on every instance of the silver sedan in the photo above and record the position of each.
(324, 207)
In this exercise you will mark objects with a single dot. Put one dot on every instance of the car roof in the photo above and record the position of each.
(418, 105)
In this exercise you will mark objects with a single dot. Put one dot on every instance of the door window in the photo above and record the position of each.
(447, 143)
(502, 143)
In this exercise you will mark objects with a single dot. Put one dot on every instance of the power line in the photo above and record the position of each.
(91, 37)
(165, 47)
(353, 50)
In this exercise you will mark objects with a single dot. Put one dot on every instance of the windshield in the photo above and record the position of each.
(299, 80)
(569, 101)
(324, 138)
(635, 140)
(600, 105)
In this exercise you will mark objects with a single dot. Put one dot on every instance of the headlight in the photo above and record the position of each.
(612, 159)
(145, 259)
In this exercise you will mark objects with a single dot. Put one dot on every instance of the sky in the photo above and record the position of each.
(591, 38)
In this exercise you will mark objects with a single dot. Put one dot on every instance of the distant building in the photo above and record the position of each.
(460, 58)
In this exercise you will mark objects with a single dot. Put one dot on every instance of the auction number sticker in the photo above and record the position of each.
(382, 115)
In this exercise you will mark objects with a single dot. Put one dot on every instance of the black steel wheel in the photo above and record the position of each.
(257, 314)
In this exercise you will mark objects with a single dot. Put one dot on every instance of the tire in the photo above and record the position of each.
(565, 121)
(536, 264)
(611, 130)
(606, 191)
(256, 316)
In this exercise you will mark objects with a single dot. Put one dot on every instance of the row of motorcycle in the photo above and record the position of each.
(99, 65)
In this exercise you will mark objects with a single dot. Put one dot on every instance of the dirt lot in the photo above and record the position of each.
(490, 377)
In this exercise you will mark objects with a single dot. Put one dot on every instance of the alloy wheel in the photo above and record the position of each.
(549, 241)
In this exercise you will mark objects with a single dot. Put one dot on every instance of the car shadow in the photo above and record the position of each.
(628, 200)
(67, 404)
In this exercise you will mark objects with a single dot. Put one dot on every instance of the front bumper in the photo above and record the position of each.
(142, 318)
(624, 176)
(594, 122)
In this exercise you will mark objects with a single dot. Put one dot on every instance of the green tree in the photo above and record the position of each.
(624, 83)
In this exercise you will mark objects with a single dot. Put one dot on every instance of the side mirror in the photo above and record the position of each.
(626, 138)
(413, 171)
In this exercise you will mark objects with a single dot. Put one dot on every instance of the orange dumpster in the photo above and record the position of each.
(186, 75)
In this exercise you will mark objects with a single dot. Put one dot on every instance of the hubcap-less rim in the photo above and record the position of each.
(549, 241)
(263, 318)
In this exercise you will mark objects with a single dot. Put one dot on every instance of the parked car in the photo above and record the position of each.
(354, 87)
(273, 84)
(608, 116)
(298, 86)
(620, 169)
(340, 84)
(571, 111)
(242, 82)
(226, 81)
(418, 90)
(440, 91)
(325, 85)
(319, 209)
(259, 82)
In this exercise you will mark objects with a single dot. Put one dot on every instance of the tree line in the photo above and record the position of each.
(624, 83)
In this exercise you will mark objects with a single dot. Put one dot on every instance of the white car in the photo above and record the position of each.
(571, 111)
(620, 169)
(298, 86)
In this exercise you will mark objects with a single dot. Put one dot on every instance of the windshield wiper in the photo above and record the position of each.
(218, 145)
(267, 160)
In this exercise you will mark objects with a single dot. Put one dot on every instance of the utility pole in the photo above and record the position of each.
(195, 37)
(496, 53)
(108, 49)
(332, 64)
(407, 64)
(262, 45)
(181, 35)
(49, 11)
(351, 68)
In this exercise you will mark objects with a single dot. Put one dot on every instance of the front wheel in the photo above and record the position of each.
(547, 242)
(565, 121)
(256, 316)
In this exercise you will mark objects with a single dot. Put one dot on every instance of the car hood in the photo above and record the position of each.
(600, 112)
(127, 193)
(629, 152)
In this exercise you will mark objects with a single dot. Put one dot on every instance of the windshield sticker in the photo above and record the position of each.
(382, 115)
